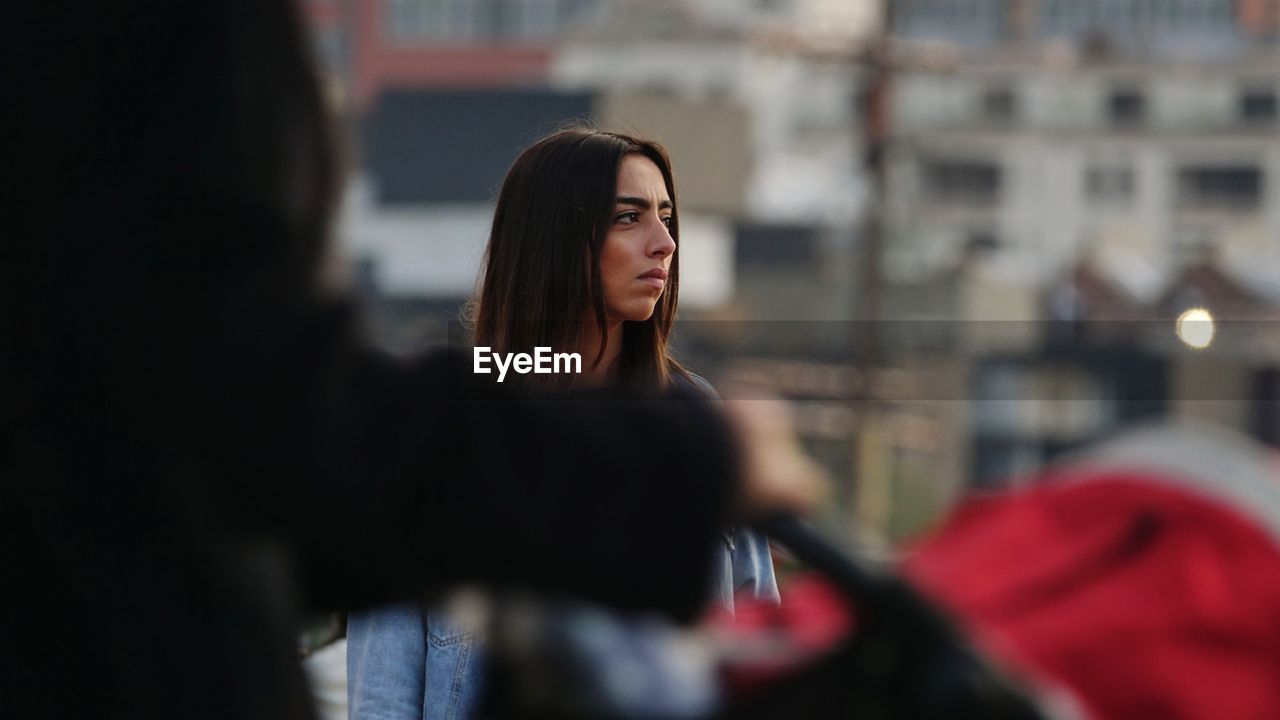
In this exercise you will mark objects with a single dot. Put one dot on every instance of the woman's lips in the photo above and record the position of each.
(655, 278)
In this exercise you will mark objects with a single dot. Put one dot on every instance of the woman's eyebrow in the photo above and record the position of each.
(642, 203)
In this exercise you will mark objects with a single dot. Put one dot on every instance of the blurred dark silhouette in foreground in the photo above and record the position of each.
(195, 443)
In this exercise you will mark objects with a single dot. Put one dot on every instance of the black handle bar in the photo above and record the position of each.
(905, 647)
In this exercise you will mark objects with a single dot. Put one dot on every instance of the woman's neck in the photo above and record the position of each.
(606, 372)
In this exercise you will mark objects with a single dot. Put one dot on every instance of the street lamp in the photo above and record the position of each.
(1195, 328)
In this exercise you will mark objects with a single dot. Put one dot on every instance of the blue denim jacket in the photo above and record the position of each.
(395, 671)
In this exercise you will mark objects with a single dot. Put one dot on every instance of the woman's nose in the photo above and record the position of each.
(661, 243)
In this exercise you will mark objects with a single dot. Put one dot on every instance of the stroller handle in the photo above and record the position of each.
(932, 663)
(818, 553)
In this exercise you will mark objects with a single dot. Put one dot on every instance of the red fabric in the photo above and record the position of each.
(1144, 600)
(813, 618)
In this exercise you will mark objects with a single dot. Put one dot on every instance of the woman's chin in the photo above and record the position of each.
(637, 314)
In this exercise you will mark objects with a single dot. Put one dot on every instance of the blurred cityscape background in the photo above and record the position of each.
(957, 234)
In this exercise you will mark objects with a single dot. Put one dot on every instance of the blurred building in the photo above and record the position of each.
(1147, 27)
(1092, 168)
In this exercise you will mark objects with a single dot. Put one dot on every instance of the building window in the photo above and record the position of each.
(1126, 106)
(1109, 184)
(1258, 106)
(1220, 188)
(436, 19)
(962, 20)
(773, 246)
(999, 105)
(483, 19)
(532, 19)
(981, 242)
(962, 181)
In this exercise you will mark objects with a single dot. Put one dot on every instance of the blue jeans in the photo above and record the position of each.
(396, 671)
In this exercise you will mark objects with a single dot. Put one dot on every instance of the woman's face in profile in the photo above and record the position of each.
(637, 250)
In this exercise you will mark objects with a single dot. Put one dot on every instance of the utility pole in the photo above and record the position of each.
(877, 64)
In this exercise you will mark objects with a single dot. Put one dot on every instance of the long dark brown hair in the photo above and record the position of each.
(542, 262)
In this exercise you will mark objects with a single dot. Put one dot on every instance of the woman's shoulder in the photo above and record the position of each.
(694, 382)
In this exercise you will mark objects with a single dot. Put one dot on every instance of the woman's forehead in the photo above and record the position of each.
(640, 176)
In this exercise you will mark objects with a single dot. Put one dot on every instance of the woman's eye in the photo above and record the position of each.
(628, 218)
(668, 220)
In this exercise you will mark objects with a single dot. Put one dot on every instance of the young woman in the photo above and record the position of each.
(581, 258)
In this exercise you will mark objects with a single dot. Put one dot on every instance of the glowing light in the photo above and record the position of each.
(1195, 328)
